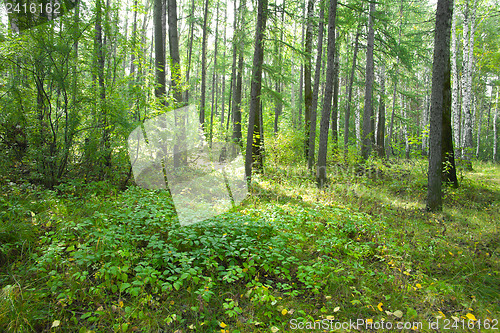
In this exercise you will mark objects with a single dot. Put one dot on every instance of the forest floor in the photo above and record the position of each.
(362, 254)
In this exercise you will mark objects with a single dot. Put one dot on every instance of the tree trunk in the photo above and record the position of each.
(189, 50)
(233, 66)
(479, 124)
(327, 99)
(308, 96)
(180, 154)
(317, 74)
(349, 92)
(468, 34)
(301, 78)
(404, 115)
(254, 157)
(454, 92)
(278, 109)
(335, 101)
(214, 77)
(239, 78)
(204, 66)
(175, 62)
(440, 100)
(159, 52)
(495, 131)
(390, 150)
(381, 115)
(368, 110)
(224, 71)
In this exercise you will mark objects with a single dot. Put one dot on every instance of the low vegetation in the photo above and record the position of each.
(88, 258)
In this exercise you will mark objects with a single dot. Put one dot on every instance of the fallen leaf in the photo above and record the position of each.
(470, 316)
(284, 312)
(274, 329)
(398, 313)
(336, 309)
(222, 324)
(379, 306)
(55, 323)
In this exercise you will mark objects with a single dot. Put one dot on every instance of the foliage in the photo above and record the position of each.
(90, 258)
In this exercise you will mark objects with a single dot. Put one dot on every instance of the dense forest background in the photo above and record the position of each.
(331, 104)
(73, 89)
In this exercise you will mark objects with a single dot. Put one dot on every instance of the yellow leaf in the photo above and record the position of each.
(336, 309)
(120, 304)
(284, 312)
(222, 324)
(470, 316)
(330, 317)
(379, 306)
(328, 297)
(419, 285)
(442, 314)
(56, 323)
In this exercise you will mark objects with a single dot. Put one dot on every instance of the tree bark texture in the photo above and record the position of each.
(327, 99)
(439, 100)
(254, 156)
(367, 133)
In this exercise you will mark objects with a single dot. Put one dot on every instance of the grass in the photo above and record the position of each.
(87, 258)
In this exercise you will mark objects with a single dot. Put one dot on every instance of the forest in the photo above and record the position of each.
(249, 166)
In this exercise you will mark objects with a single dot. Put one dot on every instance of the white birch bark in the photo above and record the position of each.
(495, 131)
(455, 109)
(468, 37)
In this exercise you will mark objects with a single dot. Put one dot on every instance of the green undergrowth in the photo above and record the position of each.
(89, 258)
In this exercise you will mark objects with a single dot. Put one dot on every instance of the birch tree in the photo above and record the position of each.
(369, 77)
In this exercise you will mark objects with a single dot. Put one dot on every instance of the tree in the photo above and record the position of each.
(160, 89)
(190, 49)
(395, 80)
(381, 115)
(335, 101)
(317, 74)
(468, 36)
(175, 62)
(495, 130)
(214, 77)
(455, 83)
(254, 156)
(369, 77)
(204, 66)
(440, 100)
(327, 97)
(349, 92)
(308, 94)
(237, 85)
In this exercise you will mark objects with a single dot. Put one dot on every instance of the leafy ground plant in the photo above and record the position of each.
(91, 259)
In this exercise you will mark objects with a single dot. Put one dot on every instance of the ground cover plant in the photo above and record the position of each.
(86, 257)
